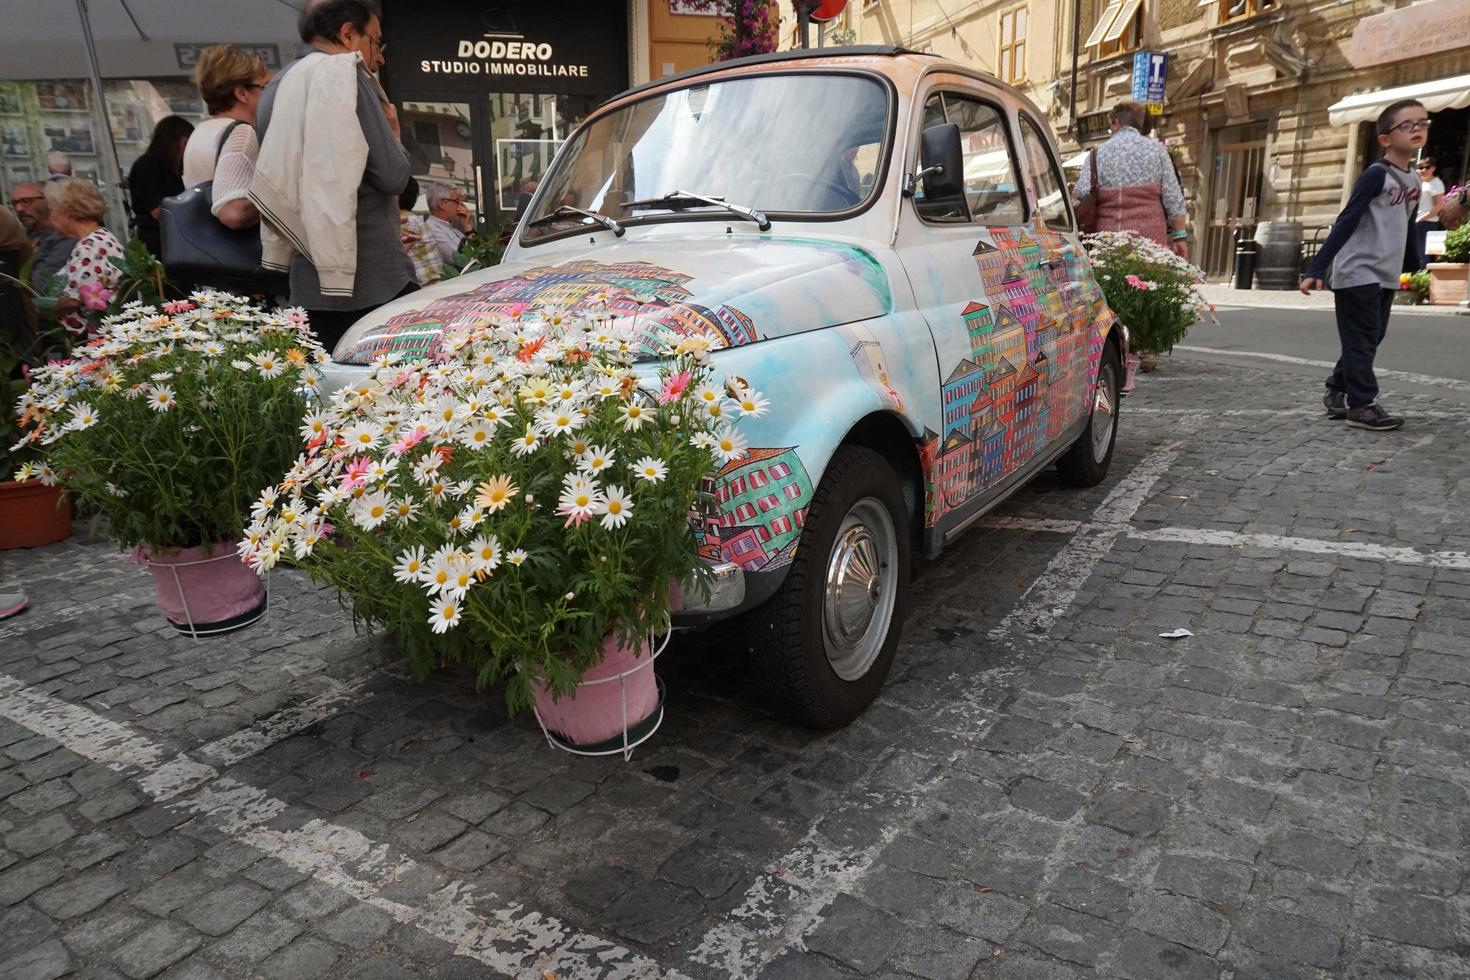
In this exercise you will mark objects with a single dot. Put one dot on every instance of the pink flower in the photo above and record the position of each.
(409, 441)
(178, 306)
(95, 296)
(674, 387)
(356, 473)
(1135, 282)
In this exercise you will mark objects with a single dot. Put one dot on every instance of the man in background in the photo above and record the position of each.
(448, 221)
(53, 249)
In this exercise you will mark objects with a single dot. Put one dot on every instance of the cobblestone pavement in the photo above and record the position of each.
(1046, 788)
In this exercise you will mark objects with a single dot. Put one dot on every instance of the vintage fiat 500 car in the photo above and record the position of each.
(880, 241)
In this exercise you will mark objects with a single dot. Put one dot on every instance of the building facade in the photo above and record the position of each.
(1270, 103)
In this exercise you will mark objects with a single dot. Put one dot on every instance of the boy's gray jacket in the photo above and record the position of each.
(1370, 242)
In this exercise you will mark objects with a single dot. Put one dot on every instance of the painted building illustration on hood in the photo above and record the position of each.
(761, 501)
(654, 298)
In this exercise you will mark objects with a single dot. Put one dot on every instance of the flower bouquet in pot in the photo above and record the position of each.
(165, 426)
(1153, 291)
(519, 503)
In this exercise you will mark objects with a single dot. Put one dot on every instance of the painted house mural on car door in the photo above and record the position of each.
(762, 500)
(655, 298)
(1035, 342)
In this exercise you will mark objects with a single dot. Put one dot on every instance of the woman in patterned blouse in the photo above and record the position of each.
(76, 212)
(1138, 187)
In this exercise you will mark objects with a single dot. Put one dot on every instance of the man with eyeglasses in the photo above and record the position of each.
(53, 249)
(448, 220)
(1369, 246)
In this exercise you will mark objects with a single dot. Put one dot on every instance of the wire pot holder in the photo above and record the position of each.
(633, 735)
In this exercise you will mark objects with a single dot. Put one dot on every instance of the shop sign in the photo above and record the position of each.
(187, 53)
(1150, 71)
(1093, 126)
(1426, 28)
(574, 46)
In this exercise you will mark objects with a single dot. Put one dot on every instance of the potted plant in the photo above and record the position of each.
(1413, 288)
(1449, 281)
(165, 426)
(31, 515)
(519, 503)
(1153, 291)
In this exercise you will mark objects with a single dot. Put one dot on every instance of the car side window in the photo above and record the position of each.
(992, 188)
(1046, 178)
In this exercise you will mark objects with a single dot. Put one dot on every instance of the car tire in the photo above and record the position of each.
(1086, 463)
(818, 660)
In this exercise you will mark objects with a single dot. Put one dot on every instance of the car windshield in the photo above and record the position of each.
(797, 143)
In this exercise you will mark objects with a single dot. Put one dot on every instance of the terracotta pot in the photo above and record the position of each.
(205, 591)
(1449, 283)
(594, 717)
(32, 514)
(1147, 361)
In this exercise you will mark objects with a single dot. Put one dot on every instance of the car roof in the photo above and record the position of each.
(868, 55)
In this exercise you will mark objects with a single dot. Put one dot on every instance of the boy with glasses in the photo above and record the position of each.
(1368, 248)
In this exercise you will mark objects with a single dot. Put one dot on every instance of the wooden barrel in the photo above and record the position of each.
(1279, 246)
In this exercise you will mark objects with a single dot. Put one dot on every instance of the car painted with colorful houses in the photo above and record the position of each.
(882, 242)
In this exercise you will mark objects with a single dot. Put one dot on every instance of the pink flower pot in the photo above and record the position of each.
(1130, 374)
(207, 590)
(594, 718)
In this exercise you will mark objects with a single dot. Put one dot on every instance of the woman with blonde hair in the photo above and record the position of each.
(224, 147)
(76, 211)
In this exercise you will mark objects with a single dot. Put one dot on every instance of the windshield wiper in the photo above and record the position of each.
(679, 200)
(566, 211)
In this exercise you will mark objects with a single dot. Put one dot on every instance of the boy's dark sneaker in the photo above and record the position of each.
(1336, 404)
(1373, 417)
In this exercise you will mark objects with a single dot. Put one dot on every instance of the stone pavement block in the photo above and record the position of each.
(175, 890)
(1095, 894)
(256, 938)
(710, 872)
(796, 965)
(79, 895)
(429, 829)
(1181, 921)
(155, 949)
(1048, 799)
(23, 927)
(1417, 920)
(651, 911)
(1071, 936)
(43, 961)
(937, 954)
(1134, 813)
(302, 960)
(312, 900)
(854, 934)
(104, 932)
(109, 805)
(1147, 957)
(1212, 879)
(515, 820)
(473, 805)
(358, 927)
(39, 836)
(595, 888)
(1293, 937)
(219, 911)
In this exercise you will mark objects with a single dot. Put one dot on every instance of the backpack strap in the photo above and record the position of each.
(225, 138)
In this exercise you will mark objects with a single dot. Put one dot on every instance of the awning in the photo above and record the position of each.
(1447, 93)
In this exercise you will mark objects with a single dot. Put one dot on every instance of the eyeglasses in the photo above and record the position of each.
(1425, 166)
(1410, 125)
(256, 84)
(18, 201)
(378, 42)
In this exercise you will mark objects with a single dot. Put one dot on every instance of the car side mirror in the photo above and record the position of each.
(944, 164)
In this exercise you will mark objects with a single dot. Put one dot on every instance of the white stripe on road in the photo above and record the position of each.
(1308, 412)
(1407, 377)
(227, 751)
(1311, 546)
(1238, 539)
(512, 940)
(1051, 594)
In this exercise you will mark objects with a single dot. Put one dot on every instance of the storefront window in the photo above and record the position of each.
(526, 131)
(439, 140)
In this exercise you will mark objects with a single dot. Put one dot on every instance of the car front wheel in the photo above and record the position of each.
(1086, 463)
(823, 645)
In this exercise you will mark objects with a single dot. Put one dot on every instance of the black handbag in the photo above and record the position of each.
(197, 248)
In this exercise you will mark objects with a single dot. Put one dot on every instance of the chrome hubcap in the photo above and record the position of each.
(860, 589)
(1104, 412)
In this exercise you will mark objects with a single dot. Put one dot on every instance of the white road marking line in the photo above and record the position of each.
(1306, 411)
(1051, 593)
(1238, 539)
(513, 940)
(230, 749)
(1408, 377)
(1312, 546)
(772, 919)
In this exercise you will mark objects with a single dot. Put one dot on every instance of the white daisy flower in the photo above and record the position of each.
(444, 614)
(360, 436)
(516, 557)
(370, 510)
(83, 416)
(558, 420)
(485, 553)
(729, 444)
(751, 404)
(650, 469)
(161, 398)
(268, 364)
(616, 507)
(633, 416)
(477, 435)
(526, 444)
(595, 459)
(438, 572)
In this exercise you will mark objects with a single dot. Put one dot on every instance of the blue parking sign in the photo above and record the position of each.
(1150, 72)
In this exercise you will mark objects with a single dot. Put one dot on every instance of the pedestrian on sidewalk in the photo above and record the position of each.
(1431, 190)
(1369, 246)
(1138, 187)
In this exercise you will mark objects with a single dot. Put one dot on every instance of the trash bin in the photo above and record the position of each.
(1246, 251)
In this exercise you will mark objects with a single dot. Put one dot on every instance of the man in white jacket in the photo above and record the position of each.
(330, 169)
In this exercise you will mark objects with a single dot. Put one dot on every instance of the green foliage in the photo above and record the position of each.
(1419, 284)
(1457, 245)
(1153, 291)
(476, 253)
(169, 422)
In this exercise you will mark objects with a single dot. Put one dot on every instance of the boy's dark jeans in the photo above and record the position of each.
(1362, 323)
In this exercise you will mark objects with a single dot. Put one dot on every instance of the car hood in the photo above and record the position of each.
(732, 291)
